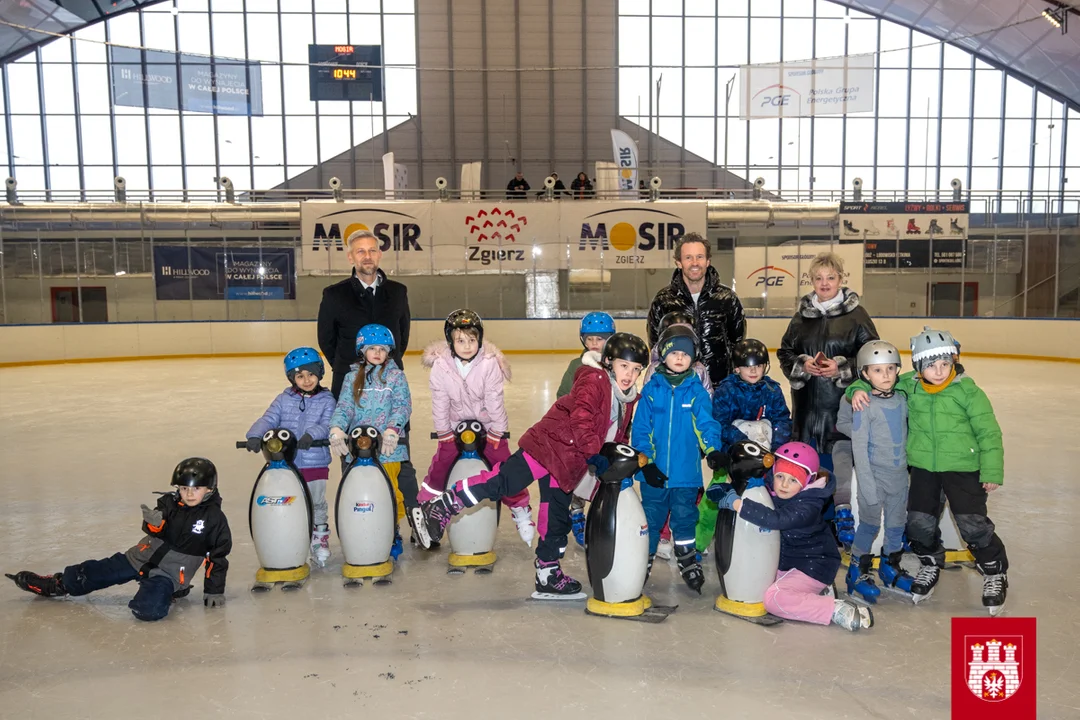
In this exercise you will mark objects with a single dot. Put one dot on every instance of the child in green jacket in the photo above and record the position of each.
(954, 444)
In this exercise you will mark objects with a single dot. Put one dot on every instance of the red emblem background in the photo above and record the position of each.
(965, 704)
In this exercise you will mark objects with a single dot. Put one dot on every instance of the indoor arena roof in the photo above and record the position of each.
(53, 16)
(1009, 34)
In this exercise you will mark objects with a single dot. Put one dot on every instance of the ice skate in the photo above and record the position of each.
(995, 585)
(893, 577)
(419, 535)
(860, 583)
(525, 526)
(934, 228)
(871, 228)
(925, 580)
(852, 617)
(665, 550)
(43, 585)
(850, 229)
(320, 545)
(890, 226)
(553, 584)
(438, 512)
(955, 228)
(690, 568)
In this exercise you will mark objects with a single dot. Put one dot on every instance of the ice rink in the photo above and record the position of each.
(84, 445)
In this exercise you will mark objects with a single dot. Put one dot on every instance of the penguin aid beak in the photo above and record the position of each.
(363, 442)
(768, 460)
(642, 461)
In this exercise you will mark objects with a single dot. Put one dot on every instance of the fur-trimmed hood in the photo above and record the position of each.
(807, 309)
(591, 358)
(441, 350)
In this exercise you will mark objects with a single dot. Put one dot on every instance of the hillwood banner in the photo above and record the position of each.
(434, 238)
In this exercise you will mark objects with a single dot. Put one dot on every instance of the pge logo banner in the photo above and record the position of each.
(993, 668)
(812, 87)
(780, 275)
(216, 273)
(497, 237)
(402, 228)
(629, 235)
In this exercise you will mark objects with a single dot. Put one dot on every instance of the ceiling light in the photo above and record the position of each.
(1051, 17)
(1058, 16)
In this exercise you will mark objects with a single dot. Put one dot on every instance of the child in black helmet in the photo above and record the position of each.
(185, 530)
(556, 453)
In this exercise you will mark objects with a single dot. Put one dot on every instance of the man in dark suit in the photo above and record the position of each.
(367, 296)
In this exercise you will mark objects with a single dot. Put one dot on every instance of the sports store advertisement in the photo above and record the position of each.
(217, 273)
(434, 238)
(904, 219)
(781, 274)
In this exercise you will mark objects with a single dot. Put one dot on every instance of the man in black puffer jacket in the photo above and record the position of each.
(366, 297)
(696, 289)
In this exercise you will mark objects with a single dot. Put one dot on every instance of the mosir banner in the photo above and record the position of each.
(624, 235)
(496, 236)
(812, 87)
(780, 275)
(403, 230)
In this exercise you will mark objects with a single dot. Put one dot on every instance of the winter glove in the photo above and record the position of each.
(717, 460)
(598, 465)
(151, 517)
(717, 491)
(389, 441)
(254, 444)
(337, 442)
(727, 501)
(213, 599)
(304, 443)
(653, 476)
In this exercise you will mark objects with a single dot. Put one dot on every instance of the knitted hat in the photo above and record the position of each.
(680, 343)
(801, 474)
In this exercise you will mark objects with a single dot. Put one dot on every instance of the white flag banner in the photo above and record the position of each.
(810, 87)
(401, 177)
(607, 179)
(388, 175)
(626, 158)
(470, 180)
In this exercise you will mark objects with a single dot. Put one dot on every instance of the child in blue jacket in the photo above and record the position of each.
(749, 405)
(673, 426)
(304, 408)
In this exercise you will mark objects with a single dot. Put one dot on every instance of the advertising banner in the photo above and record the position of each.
(174, 81)
(402, 228)
(904, 219)
(613, 235)
(625, 152)
(218, 273)
(780, 275)
(502, 236)
(892, 253)
(831, 86)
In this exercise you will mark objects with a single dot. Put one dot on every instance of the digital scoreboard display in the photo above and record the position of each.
(346, 72)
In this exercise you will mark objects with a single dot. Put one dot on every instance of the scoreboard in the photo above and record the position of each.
(346, 72)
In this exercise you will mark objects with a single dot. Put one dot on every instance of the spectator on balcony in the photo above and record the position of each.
(582, 187)
(516, 188)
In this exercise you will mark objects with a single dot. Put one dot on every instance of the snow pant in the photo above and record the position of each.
(892, 492)
(393, 471)
(681, 504)
(967, 499)
(797, 596)
(316, 484)
(514, 476)
(407, 476)
(707, 514)
(152, 600)
(446, 455)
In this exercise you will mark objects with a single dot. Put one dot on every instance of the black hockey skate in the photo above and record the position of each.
(995, 585)
(553, 584)
(925, 580)
(43, 585)
(690, 567)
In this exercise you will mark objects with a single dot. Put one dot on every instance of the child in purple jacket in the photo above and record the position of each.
(304, 408)
(466, 382)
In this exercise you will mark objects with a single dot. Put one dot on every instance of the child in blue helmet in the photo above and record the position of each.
(596, 328)
(376, 393)
(304, 408)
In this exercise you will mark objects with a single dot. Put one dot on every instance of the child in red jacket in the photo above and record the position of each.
(556, 452)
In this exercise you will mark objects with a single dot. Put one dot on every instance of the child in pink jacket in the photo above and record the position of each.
(466, 383)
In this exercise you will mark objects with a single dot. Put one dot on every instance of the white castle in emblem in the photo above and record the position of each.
(1009, 669)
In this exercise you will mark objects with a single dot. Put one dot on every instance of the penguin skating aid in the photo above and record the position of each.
(747, 556)
(472, 532)
(617, 543)
(365, 512)
(280, 514)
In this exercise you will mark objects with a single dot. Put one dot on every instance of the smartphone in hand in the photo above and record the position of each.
(820, 359)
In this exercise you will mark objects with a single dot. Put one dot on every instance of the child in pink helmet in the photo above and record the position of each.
(808, 555)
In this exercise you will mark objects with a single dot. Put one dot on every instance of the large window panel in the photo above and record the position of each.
(167, 178)
(159, 29)
(297, 100)
(333, 137)
(60, 134)
(57, 51)
(764, 40)
(667, 41)
(364, 29)
(194, 33)
(984, 141)
(988, 94)
(332, 29)
(889, 179)
(893, 93)
(924, 93)
(268, 143)
(165, 139)
(671, 130)
(26, 139)
(700, 138)
(862, 37)
(262, 38)
(828, 141)
(94, 94)
(891, 135)
(23, 87)
(1018, 98)
(667, 7)
(136, 178)
(860, 142)
(700, 92)
(402, 51)
(96, 140)
(31, 177)
(700, 42)
(669, 102)
(701, 8)
(732, 49)
(763, 141)
(400, 91)
(65, 180)
(633, 41)
(59, 89)
(633, 91)
(228, 31)
(1017, 142)
(300, 140)
(233, 141)
(197, 129)
(925, 51)
(735, 146)
(894, 45)
(131, 140)
(798, 39)
(954, 142)
(956, 94)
